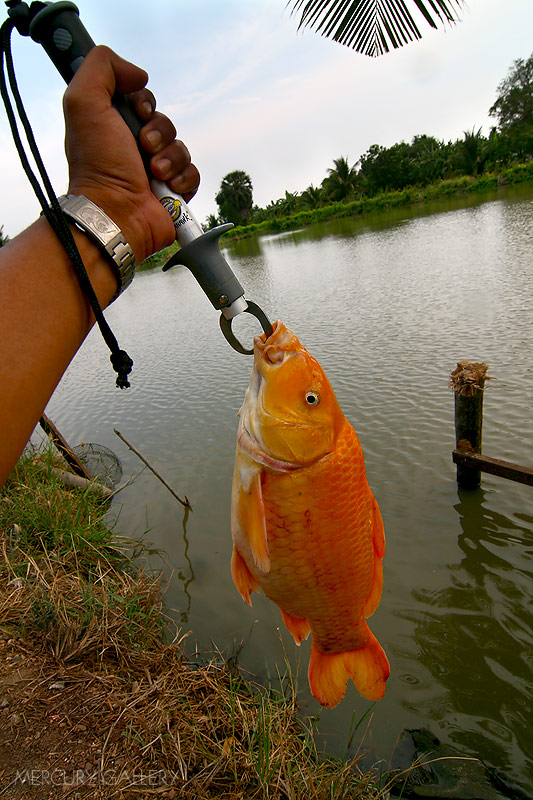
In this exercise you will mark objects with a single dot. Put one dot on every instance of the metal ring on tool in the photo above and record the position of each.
(255, 311)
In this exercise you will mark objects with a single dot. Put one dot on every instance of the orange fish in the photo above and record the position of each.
(306, 527)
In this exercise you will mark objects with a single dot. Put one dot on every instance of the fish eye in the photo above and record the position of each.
(312, 398)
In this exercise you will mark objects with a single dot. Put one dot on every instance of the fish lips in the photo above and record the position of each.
(272, 351)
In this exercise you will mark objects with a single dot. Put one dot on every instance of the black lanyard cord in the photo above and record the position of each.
(121, 361)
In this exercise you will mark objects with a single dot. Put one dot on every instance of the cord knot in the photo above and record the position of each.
(122, 364)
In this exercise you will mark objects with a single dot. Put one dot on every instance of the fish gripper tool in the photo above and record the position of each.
(58, 28)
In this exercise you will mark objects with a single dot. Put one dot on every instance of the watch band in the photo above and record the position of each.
(90, 218)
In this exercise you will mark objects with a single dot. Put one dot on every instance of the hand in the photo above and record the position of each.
(104, 162)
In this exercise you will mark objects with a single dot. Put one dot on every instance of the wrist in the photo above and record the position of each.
(99, 268)
(91, 220)
(128, 214)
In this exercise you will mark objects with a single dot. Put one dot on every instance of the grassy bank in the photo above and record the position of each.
(412, 195)
(94, 700)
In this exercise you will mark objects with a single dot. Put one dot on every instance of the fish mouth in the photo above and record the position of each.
(273, 350)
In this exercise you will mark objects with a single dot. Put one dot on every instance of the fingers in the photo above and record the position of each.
(171, 161)
(157, 134)
(90, 94)
(173, 165)
(143, 103)
(186, 182)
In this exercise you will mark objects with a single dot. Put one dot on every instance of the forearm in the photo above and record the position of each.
(45, 318)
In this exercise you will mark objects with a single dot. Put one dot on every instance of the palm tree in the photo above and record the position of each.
(211, 222)
(371, 26)
(234, 198)
(341, 180)
(311, 197)
(472, 151)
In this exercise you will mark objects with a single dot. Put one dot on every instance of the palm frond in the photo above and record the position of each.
(372, 26)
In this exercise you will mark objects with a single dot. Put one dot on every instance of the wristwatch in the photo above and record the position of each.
(90, 219)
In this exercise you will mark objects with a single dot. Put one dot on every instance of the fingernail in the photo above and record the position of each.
(147, 108)
(178, 184)
(154, 137)
(163, 165)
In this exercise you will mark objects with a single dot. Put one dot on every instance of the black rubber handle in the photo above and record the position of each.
(58, 28)
(62, 34)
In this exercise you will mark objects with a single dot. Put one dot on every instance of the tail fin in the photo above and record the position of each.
(367, 666)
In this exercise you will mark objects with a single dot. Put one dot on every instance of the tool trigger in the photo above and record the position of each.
(255, 311)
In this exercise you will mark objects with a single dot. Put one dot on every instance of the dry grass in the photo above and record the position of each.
(468, 378)
(84, 618)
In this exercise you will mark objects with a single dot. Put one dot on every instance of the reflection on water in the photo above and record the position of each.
(185, 575)
(464, 632)
(388, 306)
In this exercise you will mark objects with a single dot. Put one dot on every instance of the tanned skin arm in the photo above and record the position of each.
(44, 315)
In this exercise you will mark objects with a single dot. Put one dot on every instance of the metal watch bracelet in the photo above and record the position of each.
(90, 219)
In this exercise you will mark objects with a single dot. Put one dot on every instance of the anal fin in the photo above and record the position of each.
(372, 601)
(379, 529)
(378, 538)
(299, 628)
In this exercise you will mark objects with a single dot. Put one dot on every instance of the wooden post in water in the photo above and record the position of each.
(468, 383)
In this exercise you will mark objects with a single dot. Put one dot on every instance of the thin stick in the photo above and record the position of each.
(184, 502)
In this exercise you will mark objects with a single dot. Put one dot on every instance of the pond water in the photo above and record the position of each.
(388, 306)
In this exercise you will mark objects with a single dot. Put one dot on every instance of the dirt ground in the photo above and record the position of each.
(59, 740)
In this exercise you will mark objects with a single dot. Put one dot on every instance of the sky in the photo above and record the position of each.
(248, 91)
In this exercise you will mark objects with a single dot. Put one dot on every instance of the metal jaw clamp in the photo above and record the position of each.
(203, 258)
(258, 313)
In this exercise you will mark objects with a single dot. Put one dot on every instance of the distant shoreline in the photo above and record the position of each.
(410, 196)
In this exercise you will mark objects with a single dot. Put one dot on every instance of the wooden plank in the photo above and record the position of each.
(494, 466)
(64, 448)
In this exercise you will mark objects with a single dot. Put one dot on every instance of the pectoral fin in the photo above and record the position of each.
(242, 577)
(251, 512)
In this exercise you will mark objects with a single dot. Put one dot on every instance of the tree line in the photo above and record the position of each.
(423, 161)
